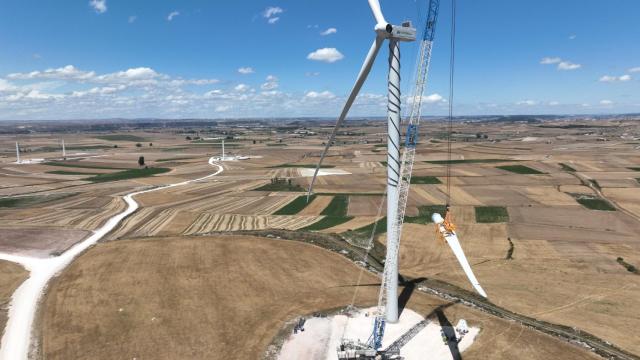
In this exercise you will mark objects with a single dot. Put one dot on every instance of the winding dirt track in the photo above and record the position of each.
(16, 340)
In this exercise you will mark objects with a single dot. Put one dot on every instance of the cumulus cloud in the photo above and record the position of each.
(100, 6)
(242, 88)
(271, 84)
(329, 31)
(246, 70)
(606, 102)
(68, 72)
(562, 64)
(554, 103)
(635, 69)
(172, 15)
(271, 13)
(328, 55)
(527, 102)
(611, 79)
(319, 95)
(572, 36)
(550, 60)
(132, 19)
(222, 108)
(567, 65)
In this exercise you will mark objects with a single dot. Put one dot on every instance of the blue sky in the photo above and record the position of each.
(264, 58)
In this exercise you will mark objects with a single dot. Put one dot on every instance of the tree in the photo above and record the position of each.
(188, 138)
(150, 144)
(138, 145)
(141, 161)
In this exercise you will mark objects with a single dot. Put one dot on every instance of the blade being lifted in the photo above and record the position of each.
(454, 244)
(362, 76)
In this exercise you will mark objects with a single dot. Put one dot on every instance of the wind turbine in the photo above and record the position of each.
(64, 152)
(395, 34)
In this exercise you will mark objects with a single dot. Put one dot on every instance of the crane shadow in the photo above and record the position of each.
(449, 333)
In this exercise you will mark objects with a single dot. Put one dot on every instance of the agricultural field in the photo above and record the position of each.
(543, 222)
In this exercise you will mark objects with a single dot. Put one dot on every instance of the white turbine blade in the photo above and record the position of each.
(377, 12)
(362, 76)
(454, 244)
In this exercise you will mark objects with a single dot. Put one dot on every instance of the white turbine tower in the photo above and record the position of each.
(64, 151)
(395, 34)
(17, 153)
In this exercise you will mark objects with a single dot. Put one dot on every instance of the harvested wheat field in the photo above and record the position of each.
(226, 297)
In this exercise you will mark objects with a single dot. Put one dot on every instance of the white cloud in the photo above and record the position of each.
(606, 102)
(625, 77)
(554, 103)
(572, 36)
(246, 70)
(567, 65)
(562, 64)
(527, 102)
(329, 31)
(272, 11)
(100, 6)
(172, 15)
(550, 60)
(312, 73)
(222, 108)
(68, 72)
(329, 55)
(611, 79)
(271, 84)
(319, 95)
(132, 19)
(273, 20)
(242, 87)
(433, 98)
(635, 69)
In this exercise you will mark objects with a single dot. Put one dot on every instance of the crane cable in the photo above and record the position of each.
(452, 58)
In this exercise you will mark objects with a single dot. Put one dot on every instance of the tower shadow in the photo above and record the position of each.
(409, 287)
(449, 333)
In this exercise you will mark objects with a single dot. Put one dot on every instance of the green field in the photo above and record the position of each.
(304, 166)
(24, 201)
(638, 180)
(277, 144)
(281, 187)
(79, 147)
(468, 161)
(350, 194)
(520, 169)
(121, 137)
(295, 206)
(566, 167)
(365, 231)
(491, 214)
(337, 207)
(425, 180)
(127, 174)
(79, 165)
(176, 159)
(64, 172)
(593, 203)
(424, 214)
(327, 222)
(634, 168)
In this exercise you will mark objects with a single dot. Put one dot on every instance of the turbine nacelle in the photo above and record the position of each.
(404, 32)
